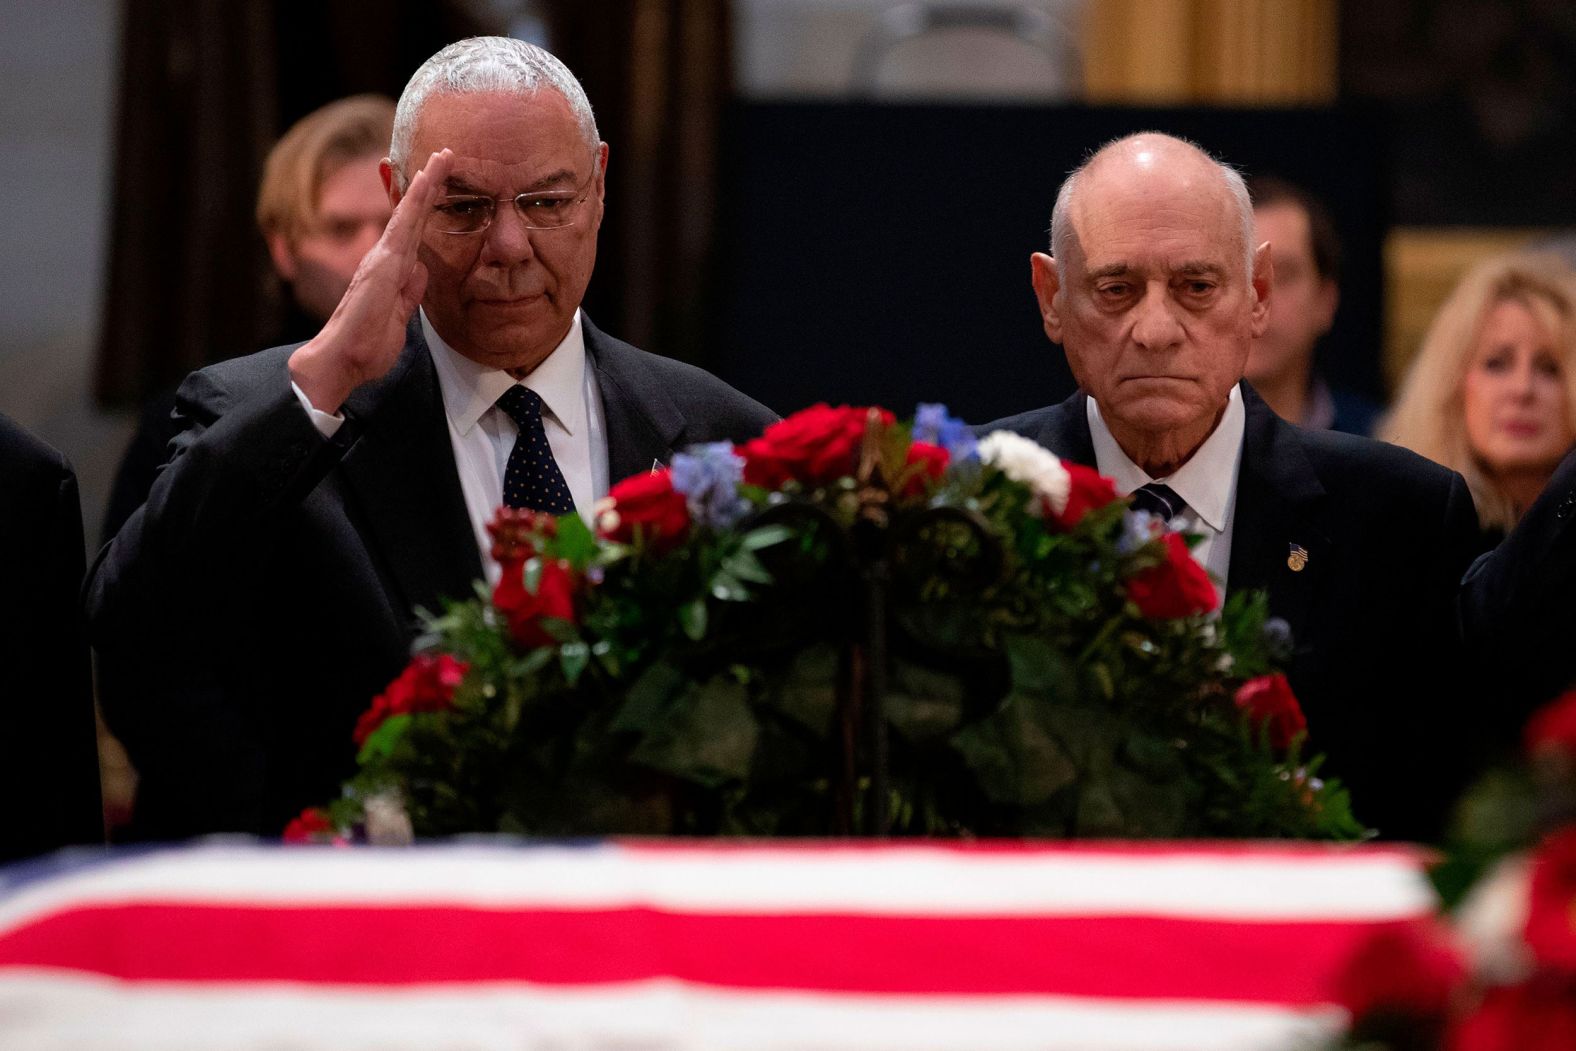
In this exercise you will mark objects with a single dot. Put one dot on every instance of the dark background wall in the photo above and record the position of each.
(879, 252)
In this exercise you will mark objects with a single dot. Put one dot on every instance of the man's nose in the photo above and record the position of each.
(507, 240)
(1155, 324)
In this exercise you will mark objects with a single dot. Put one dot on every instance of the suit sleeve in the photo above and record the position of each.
(49, 758)
(1516, 605)
(238, 458)
(163, 595)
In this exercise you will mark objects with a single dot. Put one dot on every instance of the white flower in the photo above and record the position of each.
(1491, 918)
(1027, 462)
(388, 825)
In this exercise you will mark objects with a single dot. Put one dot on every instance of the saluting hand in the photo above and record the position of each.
(364, 336)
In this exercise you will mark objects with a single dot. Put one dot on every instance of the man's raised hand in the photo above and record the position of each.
(364, 336)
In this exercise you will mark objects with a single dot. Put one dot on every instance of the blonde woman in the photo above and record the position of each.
(1492, 392)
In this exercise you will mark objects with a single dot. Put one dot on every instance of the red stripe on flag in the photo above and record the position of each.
(1141, 957)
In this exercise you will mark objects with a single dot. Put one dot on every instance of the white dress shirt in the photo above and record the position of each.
(1207, 483)
(482, 435)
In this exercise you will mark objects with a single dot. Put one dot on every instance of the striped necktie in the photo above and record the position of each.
(1158, 499)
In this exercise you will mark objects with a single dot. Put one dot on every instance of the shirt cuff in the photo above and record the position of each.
(327, 424)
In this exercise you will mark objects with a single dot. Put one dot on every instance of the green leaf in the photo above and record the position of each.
(923, 704)
(573, 657)
(746, 566)
(765, 536)
(574, 542)
(727, 588)
(647, 697)
(380, 744)
(1016, 761)
(1038, 667)
(531, 663)
(707, 735)
(807, 693)
(692, 618)
(1098, 812)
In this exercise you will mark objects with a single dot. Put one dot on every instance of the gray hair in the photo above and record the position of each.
(483, 64)
(1061, 220)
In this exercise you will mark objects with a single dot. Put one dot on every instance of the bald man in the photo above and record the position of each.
(1156, 291)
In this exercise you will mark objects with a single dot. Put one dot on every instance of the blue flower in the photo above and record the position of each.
(709, 477)
(1277, 637)
(1138, 529)
(933, 425)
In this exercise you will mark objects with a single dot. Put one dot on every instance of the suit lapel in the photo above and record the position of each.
(1066, 431)
(1278, 538)
(400, 468)
(644, 426)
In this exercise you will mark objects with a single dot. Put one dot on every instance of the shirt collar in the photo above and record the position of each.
(1207, 482)
(470, 388)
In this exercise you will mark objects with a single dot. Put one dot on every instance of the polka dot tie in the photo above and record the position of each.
(532, 479)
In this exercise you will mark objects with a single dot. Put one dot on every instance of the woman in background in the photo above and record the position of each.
(1492, 392)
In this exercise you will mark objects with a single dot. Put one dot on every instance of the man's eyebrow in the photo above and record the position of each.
(1195, 268)
(457, 184)
(1109, 270)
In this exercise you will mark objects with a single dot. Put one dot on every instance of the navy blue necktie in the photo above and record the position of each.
(1158, 499)
(532, 479)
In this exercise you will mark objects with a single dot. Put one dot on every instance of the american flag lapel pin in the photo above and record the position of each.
(1297, 558)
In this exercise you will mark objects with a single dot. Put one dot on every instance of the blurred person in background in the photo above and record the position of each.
(1492, 392)
(49, 774)
(1307, 254)
(320, 207)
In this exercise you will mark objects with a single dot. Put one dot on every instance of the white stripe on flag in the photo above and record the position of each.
(42, 1012)
(1299, 884)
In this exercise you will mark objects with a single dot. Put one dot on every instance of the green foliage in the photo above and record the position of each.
(702, 689)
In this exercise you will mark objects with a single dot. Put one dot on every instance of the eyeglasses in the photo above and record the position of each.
(547, 210)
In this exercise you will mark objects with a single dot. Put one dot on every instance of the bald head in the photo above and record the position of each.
(1139, 165)
(1155, 292)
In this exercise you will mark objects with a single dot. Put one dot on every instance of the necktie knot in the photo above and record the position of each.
(1158, 499)
(531, 478)
(522, 405)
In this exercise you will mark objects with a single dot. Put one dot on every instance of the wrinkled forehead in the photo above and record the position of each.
(505, 141)
(1175, 219)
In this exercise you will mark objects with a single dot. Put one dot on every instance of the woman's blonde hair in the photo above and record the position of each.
(1429, 415)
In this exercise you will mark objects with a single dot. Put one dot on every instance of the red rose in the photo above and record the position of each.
(1553, 727)
(647, 506)
(1537, 1015)
(1089, 490)
(1551, 905)
(554, 597)
(1268, 701)
(516, 531)
(312, 825)
(815, 446)
(1177, 587)
(1407, 968)
(426, 685)
(931, 461)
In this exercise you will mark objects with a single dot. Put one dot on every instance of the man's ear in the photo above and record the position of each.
(284, 259)
(1263, 286)
(1047, 284)
(390, 187)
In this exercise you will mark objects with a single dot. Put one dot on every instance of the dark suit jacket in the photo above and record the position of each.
(49, 776)
(268, 586)
(1389, 678)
